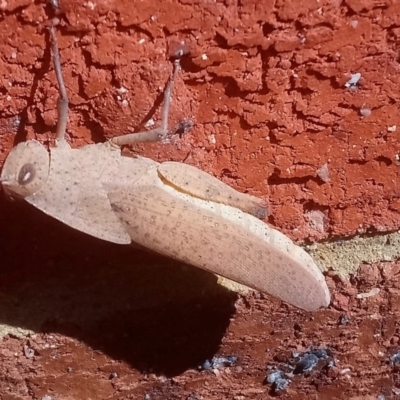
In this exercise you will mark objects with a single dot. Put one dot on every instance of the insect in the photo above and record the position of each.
(171, 208)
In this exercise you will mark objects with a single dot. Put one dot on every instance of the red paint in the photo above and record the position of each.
(263, 84)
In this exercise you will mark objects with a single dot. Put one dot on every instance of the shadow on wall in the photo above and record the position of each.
(152, 312)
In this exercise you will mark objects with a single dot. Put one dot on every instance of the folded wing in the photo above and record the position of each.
(176, 228)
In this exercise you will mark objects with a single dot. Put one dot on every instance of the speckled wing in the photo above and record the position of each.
(173, 227)
(196, 182)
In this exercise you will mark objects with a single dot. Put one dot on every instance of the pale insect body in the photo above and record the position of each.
(171, 208)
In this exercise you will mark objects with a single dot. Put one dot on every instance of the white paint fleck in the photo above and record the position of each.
(365, 112)
(352, 82)
(345, 371)
(122, 90)
(149, 123)
(371, 293)
(14, 54)
(141, 41)
(90, 5)
(8, 98)
(354, 23)
(392, 128)
(211, 139)
(323, 173)
(153, 18)
(204, 57)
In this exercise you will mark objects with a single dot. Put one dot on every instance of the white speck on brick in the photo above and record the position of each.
(392, 128)
(149, 123)
(323, 173)
(122, 90)
(204, 57)
(345, 371)
(365, 112)
(352, 82)
(90, 5)
(371, 293)
(211, 139)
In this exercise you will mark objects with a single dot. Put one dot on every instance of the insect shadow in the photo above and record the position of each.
(153, 312)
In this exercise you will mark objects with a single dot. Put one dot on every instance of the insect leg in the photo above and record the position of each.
(160, 133)
(63, 99)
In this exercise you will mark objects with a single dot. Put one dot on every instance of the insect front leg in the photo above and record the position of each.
(62, 105)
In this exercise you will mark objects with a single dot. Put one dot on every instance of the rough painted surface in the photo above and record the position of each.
(95, 310)
(266, 88)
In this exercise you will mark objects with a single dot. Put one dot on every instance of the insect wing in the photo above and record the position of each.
(173, 227)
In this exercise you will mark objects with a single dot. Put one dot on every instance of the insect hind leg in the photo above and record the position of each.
(161, 133)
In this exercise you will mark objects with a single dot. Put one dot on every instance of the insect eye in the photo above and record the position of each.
(26, 174)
